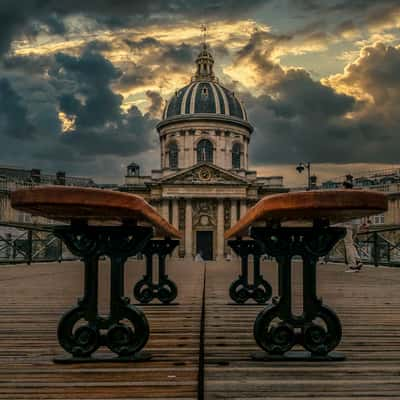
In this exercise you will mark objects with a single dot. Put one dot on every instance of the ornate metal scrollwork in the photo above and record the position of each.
(118, 243)
(238, 291)
(145, 290)
(84, 340)
(125, 340)
(275, 337)
(318, 329)
(320, 339)
(165, 290)
(241, 290)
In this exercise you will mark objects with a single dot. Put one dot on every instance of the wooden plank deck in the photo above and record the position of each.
(368, 304)
(32, 299)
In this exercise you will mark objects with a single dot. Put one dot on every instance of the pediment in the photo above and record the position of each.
(204, 173)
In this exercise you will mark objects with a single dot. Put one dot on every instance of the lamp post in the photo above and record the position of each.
(301, 167)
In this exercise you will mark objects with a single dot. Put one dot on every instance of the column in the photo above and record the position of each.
(245, 152)
(165, 209)
(186, 150)
(188, 229)
(175, 222)
(233, 212)
(233, 220)
(220, 230)
(243, 208)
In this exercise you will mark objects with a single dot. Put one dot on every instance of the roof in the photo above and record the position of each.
(205, 97)
(204, 94)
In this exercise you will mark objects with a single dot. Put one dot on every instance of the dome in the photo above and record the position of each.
(204, 95)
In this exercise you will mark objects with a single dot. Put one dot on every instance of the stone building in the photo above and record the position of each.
(386, 180)
(204, 184)
(13, 178)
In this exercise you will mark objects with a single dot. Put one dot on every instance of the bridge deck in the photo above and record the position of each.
(32, 299)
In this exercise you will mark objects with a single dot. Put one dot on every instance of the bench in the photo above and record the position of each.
(102, 223)
(300, 224)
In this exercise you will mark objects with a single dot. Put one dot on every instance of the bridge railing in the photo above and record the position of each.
(22, 243)
(378, 246)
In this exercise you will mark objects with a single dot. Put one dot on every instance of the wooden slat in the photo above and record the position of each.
(333, 205)
(368, 305)
(32, 301)
(68, 203)
(34, 297)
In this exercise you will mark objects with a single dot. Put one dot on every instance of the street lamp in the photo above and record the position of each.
(301, 167)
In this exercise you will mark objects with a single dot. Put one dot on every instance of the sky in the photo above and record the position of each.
(83, 83)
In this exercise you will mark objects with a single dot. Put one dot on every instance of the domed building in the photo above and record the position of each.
(204, 185)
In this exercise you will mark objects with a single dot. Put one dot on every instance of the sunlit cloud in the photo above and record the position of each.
(67, 122)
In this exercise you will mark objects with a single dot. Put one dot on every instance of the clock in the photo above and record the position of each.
(205, 174)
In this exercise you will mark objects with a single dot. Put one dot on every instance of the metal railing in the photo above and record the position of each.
(29, 243)
(377, 246)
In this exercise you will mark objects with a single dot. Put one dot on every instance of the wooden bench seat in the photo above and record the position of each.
(96, 206)
(113, 224)
(331, 205)
(310, 235)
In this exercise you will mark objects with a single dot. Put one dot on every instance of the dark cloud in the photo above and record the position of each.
(81, 88)
(92, 102)
(100, 125)
(340, 5)
(375, 73)
(158, 63)
(29, 17)
(348, 16)
(14, 121)
(156, 103)
(300, 119)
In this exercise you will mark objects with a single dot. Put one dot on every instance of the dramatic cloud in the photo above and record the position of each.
(76, 114)
(13, 115)
(30, 17)
(156, 103)
(350, 117)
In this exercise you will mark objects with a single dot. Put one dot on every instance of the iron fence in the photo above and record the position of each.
(28, 243)
(378, 246)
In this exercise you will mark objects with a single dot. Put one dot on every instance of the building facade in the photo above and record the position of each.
(13, 178)
(388, 181)
(204, 184)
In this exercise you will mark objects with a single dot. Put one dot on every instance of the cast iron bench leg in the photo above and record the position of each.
(118, 243)
(165, 290)
(318, 329)
(241, 290)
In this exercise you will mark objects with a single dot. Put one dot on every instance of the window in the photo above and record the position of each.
(173, 155)
(236, 155)
(204, 151)
(378, 219)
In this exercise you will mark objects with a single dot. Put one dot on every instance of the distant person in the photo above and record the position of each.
(352, 258)
(199, 257)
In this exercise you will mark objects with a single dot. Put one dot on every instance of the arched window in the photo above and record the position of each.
(173, 155)
(236, 155)
(204, 151)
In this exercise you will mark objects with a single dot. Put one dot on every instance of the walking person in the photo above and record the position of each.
(352, 258)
